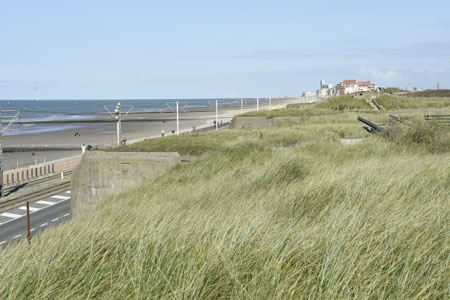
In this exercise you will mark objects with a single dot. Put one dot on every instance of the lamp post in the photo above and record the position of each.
(116, 114)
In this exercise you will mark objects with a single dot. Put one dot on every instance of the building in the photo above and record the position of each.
(309, 94)
(350, 86)
(325, 90)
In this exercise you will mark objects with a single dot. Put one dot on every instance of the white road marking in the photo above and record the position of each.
(67, 215)
(45, 202)
(17, 236)
(1, 243)
(31, 208)
(45, 224)
(68, 192)
(60, 197)
(10, 215)
(32, 229)
(54, 220)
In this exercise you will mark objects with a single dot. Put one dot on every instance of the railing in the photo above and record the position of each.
(40, 170)
(439, 119)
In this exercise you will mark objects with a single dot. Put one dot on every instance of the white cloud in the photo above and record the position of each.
(428, 70)
(381, 75)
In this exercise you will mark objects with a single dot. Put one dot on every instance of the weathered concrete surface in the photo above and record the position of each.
(101, 174)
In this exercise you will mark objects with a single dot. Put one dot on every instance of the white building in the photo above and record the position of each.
(325, 90)
(309, 94)
(354, 86)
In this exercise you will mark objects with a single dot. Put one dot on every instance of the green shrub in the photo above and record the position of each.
(432, 136)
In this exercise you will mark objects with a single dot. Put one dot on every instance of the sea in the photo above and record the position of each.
(34, 115)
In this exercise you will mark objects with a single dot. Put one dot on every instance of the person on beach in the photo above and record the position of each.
(32, 152)
(83, 149)
(162, 133)
(173, 131)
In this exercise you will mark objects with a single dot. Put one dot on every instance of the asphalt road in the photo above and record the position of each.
(43, 214)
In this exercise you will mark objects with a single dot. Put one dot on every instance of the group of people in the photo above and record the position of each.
(162, 132)
(84, 148)
(218, 124)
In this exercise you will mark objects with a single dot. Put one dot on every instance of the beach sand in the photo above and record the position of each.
(137, 128)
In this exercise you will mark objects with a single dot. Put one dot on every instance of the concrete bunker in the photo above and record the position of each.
(101, 174)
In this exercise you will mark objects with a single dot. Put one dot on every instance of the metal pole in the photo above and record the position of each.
(217, 116)
(242, 104)
(178, 121)
(117, 114)
(117, 111)
(118, 132)
(1, 155)
(270, 103)
(257, 104)
(28, 223)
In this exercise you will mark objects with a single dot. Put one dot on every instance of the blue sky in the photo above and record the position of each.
(206, 49)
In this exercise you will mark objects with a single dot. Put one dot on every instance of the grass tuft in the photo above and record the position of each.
(432, 136)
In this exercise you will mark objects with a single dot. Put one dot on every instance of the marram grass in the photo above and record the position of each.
(314, 221)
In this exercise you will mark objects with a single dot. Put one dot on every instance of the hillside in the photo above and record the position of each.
(265, 214)
(429, 94)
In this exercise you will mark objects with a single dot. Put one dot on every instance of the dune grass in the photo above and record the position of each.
(255, 220)
(430, 94)
(346, 102)
(330, 106)
(290, 112)
(396, 102)
(319, 128)
(395, 90)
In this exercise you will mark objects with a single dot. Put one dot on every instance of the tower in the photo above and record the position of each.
(437, 86)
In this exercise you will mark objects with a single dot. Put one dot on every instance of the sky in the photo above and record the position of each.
(207, 49)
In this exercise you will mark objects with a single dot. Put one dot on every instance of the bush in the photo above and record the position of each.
(427, 134)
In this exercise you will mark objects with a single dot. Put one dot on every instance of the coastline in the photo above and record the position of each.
(137, 128)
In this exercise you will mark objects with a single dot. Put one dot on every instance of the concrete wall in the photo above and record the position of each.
(101, 174)
(12, 177)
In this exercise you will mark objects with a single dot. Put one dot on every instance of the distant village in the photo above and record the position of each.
(348, 86)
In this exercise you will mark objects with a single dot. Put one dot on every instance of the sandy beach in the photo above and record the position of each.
(137, 127)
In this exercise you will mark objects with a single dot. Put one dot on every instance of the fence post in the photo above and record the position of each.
(28, 223)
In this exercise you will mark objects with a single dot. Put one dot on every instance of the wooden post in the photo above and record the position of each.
(28, 223)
